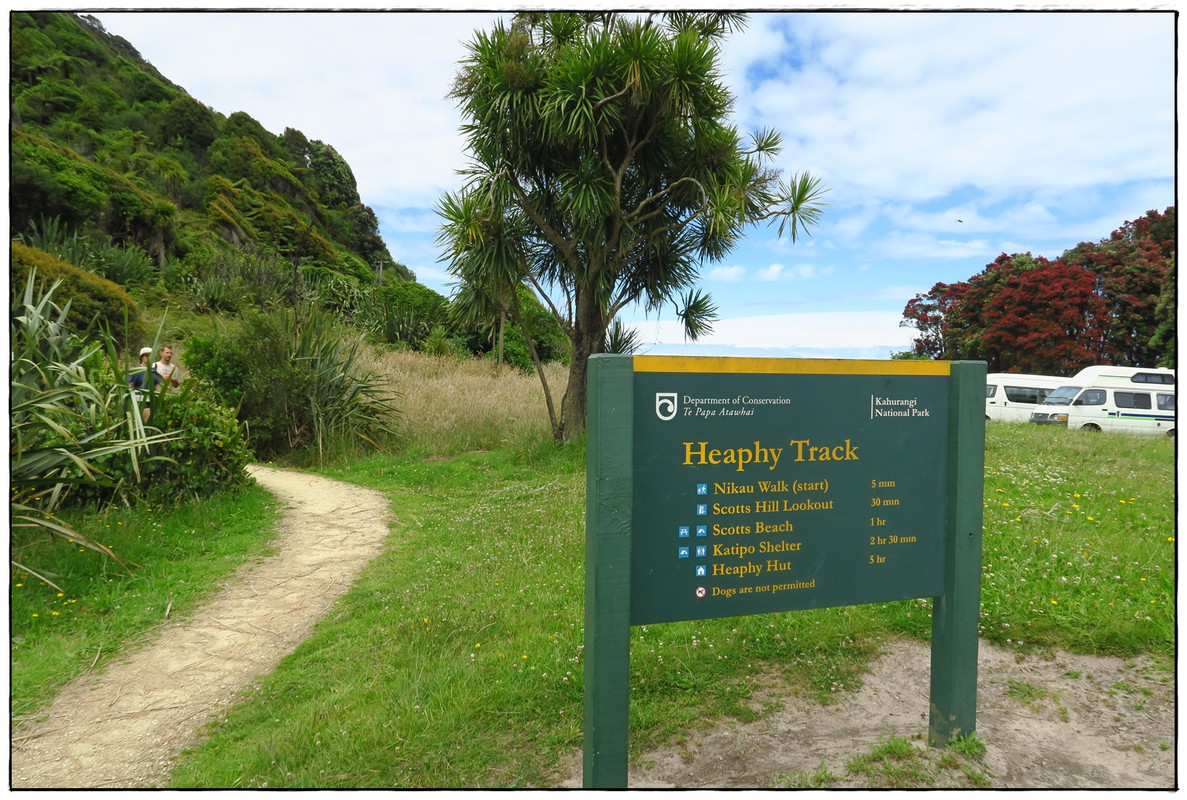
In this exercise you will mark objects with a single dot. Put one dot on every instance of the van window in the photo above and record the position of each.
(1166, 402)
(1026, 394)
(1132, 399)
(1153, 377)
(1091, 397)
(1061, 396)
(990, 390)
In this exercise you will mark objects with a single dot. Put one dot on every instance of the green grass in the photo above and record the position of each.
(177, 559)
(456, 658)
(1079, 541)
(820, 779)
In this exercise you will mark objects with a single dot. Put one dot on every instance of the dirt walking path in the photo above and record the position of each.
(123, 728)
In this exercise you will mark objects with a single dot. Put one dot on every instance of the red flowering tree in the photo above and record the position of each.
(1111, 302)
(931, 315)
(1134, 267)
(1040, 316)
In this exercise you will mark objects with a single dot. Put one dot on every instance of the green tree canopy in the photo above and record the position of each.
(605, 171)
(189, 123)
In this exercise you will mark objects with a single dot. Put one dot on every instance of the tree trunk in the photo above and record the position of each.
(589, 338)
(502, 324)
(527, 335)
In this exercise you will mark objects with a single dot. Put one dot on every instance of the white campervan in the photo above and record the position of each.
(1128, 399)
(1011, 396)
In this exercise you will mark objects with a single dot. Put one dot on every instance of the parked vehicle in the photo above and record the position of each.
(1128, 399)
(1011, 396)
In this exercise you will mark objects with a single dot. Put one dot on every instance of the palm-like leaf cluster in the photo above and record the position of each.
(297, 379)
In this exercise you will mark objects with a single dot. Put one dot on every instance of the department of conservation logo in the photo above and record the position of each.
(665, 405)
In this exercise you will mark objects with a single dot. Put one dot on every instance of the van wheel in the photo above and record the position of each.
(1091, 427)
(1170, 434)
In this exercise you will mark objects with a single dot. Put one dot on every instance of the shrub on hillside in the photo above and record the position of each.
(295, 381)
(92, 299)
(203, 452)
(209, 455)
(407, 311)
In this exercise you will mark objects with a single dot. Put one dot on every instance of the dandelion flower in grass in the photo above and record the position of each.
(1054, 602)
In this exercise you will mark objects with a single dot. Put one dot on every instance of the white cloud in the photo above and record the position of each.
(409, 220)
(799, 272)
(732, 274)
(912, 106)
(913, 245)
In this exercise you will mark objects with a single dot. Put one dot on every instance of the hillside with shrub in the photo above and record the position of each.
(117, 153)
(117, 170)
(140, 217)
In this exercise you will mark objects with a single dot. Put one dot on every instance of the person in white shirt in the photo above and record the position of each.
(139, 382)
(168, 371)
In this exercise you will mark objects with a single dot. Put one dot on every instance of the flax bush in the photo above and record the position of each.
(66, 417)
(297, 380)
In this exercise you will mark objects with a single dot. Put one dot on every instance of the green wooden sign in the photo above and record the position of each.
(759, 492)
(725, 487)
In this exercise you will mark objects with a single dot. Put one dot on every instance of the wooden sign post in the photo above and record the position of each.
(724, 487)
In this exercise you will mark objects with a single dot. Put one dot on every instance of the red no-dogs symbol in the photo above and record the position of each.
(700, 591)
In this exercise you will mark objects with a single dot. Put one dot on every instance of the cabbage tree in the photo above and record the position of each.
(605, 171)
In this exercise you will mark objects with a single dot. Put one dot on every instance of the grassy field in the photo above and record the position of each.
(456, 659)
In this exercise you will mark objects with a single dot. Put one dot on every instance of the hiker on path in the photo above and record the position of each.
(138, 380)
(166, 369)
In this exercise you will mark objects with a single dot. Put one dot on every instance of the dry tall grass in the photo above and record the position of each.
(449, 406)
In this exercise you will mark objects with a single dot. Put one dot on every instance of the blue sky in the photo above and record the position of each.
(945, 138)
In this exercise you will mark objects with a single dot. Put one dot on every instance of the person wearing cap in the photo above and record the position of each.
(137, 380)
(165, 368)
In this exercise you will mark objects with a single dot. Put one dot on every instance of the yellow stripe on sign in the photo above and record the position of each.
(789, 366)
